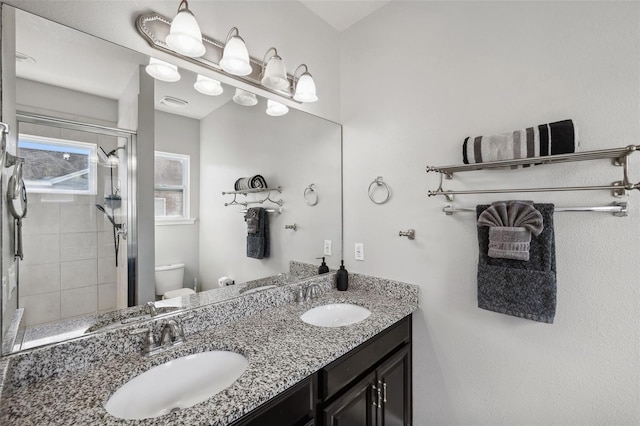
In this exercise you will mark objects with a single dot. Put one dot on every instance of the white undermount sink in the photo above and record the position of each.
(177, 384)
(335, 315)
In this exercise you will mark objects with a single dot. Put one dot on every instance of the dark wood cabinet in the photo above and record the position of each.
(381, 398)
(355, 407)
(368, 386)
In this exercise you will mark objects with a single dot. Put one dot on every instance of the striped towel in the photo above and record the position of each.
(546, 139)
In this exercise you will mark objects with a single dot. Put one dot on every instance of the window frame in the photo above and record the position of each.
(186, 188)
(93, 164)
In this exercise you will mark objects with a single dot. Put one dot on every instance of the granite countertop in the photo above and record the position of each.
(281, 350)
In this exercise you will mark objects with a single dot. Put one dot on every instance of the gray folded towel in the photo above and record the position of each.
(512, 287)
(511, 224)
(257, 233)
(556, 138)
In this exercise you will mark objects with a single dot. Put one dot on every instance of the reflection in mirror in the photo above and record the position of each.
(74, 92)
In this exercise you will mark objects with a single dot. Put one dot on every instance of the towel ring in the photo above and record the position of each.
(379, 182)
(311, 195)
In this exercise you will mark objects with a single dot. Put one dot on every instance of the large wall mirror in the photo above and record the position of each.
(80, 108)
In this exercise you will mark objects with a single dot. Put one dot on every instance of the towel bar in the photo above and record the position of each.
(619, 209)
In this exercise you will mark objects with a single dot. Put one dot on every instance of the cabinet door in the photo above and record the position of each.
(394, 380)
(355, 407)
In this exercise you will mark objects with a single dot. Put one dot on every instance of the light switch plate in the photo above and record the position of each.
(359, 251)
(327, 247)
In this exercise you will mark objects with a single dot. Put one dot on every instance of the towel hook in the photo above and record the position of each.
(310, 191)
(411, 234)
(379, 182)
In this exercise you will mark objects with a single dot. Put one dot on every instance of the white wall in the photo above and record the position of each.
(291, 151)
(298, 34)
(179, 243)
(418, 77)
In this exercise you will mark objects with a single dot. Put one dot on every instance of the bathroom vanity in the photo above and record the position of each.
(370, 385)
(297, 373)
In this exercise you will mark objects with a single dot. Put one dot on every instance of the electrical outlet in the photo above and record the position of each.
(359, 251)
(327, 247)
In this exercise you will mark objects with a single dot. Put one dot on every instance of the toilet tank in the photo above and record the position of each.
(169, 277)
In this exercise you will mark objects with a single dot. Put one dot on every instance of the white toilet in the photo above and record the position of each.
(169, 281)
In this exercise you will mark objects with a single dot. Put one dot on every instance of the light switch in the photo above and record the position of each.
(327, 247)
(359, 251)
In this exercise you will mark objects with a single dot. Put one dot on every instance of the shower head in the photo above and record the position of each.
(105, 157)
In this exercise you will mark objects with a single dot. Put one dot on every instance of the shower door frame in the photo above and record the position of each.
(131, 145)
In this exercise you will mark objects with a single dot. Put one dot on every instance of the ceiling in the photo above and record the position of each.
(342, 14)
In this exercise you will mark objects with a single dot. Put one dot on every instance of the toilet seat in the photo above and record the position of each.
(178, 293)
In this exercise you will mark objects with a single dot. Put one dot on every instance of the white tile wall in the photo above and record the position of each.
(38, 279)
(42, 218)
(106, 270)
(41, 308)
(77, 246)
(40, 249)
(77, 218)
(78, 301)
(78, 273)
(107, 297)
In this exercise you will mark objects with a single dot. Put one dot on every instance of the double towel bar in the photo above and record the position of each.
(620, 157)
(619, 209)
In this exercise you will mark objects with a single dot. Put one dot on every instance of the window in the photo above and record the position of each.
(171, 186)
(58, 166)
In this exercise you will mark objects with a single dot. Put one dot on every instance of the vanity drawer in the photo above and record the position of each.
(294, 407)
(337, 375)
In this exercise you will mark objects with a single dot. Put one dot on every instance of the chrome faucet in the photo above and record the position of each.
(151, 309)
(172, 333)
(312, 291)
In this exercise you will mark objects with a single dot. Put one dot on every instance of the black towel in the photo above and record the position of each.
(515, 287)
(257, 220)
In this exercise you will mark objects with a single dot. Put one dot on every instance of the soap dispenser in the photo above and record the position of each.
(342, 278)
(323, 269)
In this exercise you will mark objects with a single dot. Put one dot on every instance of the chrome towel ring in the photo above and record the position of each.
(311, 195)
(379, 182)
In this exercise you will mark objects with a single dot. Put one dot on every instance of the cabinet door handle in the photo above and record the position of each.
(375, 398)
(380, 393)
(384, 391)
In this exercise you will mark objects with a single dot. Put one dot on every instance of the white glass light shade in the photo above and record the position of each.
(162, 70)
(244, 98)
(305, 89)
(208, 86)
(276, 109)
(275, 74)
(235, 57)
(184, 36)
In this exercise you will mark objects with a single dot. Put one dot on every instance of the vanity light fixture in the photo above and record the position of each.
(244, 98)
(235, 56)
(162, 70)
(184, 36)
(208, 86)
(274, 74)
(304, 89)
(276, 109)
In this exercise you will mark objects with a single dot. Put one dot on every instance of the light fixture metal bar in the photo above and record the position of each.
(154, 28)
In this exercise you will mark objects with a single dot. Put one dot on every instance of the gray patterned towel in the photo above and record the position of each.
(556, 138)
(522, 289)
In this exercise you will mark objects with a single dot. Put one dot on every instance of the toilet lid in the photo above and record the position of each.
(177, 293)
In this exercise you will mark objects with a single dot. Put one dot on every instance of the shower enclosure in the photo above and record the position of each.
(76, 242)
